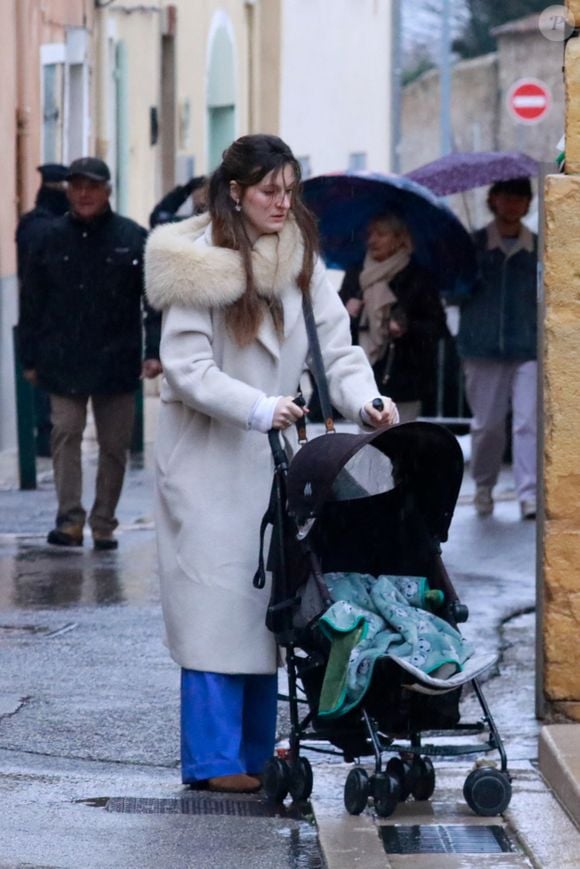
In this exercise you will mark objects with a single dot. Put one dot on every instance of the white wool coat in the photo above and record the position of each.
(213, 474)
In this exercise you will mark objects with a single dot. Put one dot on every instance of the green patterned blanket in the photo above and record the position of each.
(385, 615)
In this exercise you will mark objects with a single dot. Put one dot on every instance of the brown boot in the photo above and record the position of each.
(104, 541)
(66, 535)
(240, 783)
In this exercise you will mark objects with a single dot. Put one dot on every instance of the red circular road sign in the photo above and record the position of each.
(529, 100)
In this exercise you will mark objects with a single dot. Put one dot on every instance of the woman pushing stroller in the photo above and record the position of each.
(234, 346)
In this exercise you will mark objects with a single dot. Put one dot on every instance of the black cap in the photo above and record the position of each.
(52, 172)
(89, 167)
(513, 186)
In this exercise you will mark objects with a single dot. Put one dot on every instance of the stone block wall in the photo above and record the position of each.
(561, 362)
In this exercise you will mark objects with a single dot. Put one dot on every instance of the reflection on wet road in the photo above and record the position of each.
(35, 575)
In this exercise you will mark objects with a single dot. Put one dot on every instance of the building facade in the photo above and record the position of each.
(46, 63)
(159, 89)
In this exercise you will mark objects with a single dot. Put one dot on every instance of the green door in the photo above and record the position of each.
(221, 97)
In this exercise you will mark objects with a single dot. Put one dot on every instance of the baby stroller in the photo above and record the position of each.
(378, 503)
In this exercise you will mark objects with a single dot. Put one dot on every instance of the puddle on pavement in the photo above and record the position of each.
(303, 848)
(37, 577)
(302, 839)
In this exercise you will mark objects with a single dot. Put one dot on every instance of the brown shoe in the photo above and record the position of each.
(241, 783)
(257, 775)
(104, 541)
(66, 535)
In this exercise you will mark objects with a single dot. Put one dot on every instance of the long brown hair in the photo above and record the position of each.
(247, 161)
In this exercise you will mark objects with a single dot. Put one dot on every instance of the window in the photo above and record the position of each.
(65, 122)
(52, 59)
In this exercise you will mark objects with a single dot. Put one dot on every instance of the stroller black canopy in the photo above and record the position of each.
(425, 458)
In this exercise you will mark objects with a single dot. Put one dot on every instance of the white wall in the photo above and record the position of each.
(335, 81)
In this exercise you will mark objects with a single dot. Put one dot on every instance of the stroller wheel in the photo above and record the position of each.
(386, 793)
(401, 770)
(276, 779)
(487, 791)
(300, 780)
(422, 778)
(357, 789)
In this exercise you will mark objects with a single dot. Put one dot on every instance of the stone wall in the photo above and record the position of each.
(527, 54)
(474, 111)
(480, 118)
(560, 602)
(474, 90)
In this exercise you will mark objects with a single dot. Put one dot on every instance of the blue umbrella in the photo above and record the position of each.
(345, 202)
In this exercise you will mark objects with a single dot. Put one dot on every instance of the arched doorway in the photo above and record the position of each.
(221, 95)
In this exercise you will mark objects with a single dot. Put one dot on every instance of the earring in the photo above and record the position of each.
(237, 206)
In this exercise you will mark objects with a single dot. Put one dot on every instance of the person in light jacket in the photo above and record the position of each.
(234, 346)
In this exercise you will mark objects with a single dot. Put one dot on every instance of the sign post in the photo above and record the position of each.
(529, 100)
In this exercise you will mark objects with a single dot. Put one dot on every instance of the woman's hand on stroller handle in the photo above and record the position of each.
(287, 412)
(380, 411)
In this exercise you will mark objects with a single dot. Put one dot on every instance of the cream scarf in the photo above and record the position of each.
(378, 299)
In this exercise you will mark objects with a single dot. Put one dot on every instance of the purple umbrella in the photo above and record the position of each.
(464, 170)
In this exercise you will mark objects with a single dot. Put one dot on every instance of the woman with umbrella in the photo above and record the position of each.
(396, 314)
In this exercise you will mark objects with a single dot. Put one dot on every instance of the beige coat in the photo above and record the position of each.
(213, 473)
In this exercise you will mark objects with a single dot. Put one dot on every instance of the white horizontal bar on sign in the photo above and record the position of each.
(530, 102)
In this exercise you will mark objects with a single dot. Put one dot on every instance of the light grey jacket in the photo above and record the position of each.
(213, 473)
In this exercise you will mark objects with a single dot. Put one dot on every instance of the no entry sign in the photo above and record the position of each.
(529, 100)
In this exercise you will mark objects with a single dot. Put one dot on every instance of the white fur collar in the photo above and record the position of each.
(183, 267)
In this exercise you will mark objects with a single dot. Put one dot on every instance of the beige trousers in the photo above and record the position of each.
(114, 415)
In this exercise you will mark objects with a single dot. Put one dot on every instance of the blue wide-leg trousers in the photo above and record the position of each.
(228, 723)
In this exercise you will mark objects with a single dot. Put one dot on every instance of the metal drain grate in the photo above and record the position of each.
(201, 805)
(440, 839)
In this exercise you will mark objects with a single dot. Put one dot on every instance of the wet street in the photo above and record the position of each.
(89, 717)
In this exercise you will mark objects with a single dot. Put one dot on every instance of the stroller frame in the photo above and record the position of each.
(409, 769)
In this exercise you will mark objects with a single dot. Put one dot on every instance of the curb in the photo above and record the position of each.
(559, 761)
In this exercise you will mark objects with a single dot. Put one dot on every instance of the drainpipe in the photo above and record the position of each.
(396, 62)
(446, 138)
(24, 157)
(102, 143)
(122, 78)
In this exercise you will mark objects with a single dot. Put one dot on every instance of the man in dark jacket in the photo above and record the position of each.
(80, 332)
(497, 341)
(51, 202)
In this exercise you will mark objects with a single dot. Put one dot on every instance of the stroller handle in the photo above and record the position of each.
(278, 452)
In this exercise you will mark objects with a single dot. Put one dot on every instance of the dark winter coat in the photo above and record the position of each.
(412, 361)
(499, 318)
(49, 205)
(166, 209)
(81, 320)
